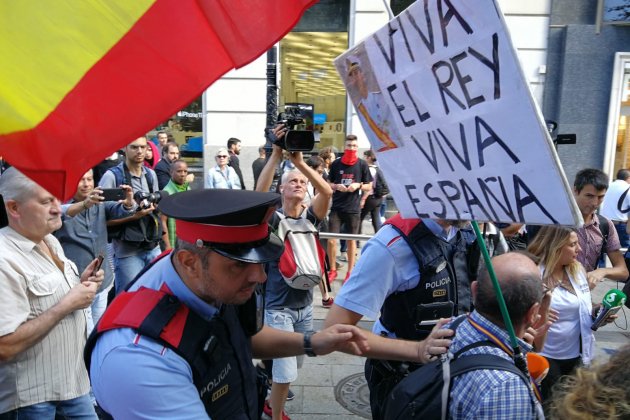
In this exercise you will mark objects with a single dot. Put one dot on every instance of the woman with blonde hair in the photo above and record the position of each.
(568, 341)
(599, 393)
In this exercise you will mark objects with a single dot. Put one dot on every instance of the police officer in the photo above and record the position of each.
(413, 275)
(180, 342)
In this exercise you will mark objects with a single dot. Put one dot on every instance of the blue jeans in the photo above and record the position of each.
(127, 268)
(76, 408)
(623, 235)
(299, 320)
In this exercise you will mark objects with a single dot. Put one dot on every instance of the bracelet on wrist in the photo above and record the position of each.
(308, 347)
(84, 202)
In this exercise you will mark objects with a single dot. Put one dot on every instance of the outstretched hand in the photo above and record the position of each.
(340, 337)
(436, 343)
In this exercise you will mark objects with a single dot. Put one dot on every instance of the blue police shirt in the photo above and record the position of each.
(387, 265)
(134, 376)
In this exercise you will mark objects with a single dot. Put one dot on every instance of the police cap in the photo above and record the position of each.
(231, 222)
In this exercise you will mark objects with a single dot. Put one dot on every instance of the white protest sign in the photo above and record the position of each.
(442, 98)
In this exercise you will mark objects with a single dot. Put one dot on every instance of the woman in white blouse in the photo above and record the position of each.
(569, 340)
(222, 175)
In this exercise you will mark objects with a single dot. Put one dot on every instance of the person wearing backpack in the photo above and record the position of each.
(482, 375)
(136, 238)
(598, 235)
(371, 200)
(291, 278)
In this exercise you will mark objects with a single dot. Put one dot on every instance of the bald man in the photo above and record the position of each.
(497, 393)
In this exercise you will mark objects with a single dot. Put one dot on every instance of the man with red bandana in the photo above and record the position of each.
(348, 175)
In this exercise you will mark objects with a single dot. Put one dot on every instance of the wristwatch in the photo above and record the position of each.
(308, 348)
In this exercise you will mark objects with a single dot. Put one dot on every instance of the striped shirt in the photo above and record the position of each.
(486, 393)
(30, 284)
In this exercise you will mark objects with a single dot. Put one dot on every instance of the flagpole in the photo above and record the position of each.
(272, 96)
(519, 358)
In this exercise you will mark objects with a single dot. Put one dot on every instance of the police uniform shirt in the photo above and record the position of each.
(126, 366)
(387, 265)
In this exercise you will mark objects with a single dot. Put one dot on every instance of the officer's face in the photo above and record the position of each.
(228, 281)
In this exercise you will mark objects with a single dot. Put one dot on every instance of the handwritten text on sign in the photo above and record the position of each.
(442, 99)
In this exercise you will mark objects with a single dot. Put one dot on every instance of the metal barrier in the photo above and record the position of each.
(328, 235)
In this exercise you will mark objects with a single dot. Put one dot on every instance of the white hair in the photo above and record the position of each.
(285, 175)
(14, 185)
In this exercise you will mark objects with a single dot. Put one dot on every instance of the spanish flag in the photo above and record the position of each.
(79, 79)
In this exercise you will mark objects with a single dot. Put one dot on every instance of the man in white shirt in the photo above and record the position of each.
(616, 205)
(43, 317)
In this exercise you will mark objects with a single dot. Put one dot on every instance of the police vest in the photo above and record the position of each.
(446, 270)
(218, 351)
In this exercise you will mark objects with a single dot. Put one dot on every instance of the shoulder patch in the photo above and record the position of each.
(394, 240)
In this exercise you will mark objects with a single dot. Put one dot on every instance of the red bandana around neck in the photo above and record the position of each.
(349, 157)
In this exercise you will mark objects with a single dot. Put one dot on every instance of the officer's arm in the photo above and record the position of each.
(394, 349)
(270, 343)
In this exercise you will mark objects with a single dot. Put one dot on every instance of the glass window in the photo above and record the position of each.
(619, 117)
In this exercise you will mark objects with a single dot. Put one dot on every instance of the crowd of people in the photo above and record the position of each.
(181, 290)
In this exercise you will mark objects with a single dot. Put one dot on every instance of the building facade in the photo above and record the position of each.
(576, 67)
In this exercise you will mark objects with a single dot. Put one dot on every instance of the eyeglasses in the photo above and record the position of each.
(222, 156)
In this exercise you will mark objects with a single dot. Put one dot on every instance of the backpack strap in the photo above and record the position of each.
(604, 228)
(454, 366)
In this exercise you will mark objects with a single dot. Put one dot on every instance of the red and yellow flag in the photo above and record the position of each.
(80, 79)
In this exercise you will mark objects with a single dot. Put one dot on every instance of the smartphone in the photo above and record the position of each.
(98, 264)
(600, 321)
(430, 313)
(113, 194)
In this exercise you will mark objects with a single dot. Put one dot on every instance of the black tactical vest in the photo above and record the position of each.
(218, 351)
(445, 269)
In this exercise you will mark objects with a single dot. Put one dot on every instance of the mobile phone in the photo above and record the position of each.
(430, 313)
(599, 321)
(98, 264)
(113, 194)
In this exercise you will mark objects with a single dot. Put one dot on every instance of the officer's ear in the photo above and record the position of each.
(188, 262)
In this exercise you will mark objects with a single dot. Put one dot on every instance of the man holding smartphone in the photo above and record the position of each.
(43, 317)
(83, 234)
(412, 275)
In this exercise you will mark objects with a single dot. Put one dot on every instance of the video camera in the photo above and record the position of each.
(145, 200)
(294, 140)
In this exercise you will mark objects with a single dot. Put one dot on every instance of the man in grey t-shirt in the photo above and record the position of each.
(287, 308)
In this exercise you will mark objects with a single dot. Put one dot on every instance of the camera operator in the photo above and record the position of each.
(135, 238)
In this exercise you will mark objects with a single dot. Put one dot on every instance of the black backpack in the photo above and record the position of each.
(380, 185)
(424, 394)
